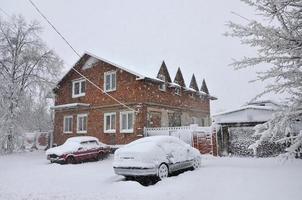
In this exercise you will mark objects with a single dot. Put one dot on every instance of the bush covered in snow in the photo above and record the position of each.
(242, 137)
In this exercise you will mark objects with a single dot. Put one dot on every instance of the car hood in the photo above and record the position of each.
(63, 149)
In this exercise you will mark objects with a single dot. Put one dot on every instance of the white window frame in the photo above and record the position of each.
(105, 122)
(79, 116)
(121, 122)
(110, 73)
(67, 117)
(80, 81)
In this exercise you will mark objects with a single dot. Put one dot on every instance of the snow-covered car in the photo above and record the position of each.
(155, 156)
(78, 149)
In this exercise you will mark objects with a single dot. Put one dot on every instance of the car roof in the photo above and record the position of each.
(158, 139)
(81, 139)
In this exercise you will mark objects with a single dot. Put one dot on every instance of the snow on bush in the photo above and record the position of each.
(241, 138)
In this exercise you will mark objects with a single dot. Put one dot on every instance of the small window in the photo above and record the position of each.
(82, 123)
(162, 86)
(78, 88)
(126, 122)
(177, 90)
(110, 81)
(67, 126)
(109, 122)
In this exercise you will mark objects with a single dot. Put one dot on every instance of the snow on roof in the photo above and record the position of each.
(263, 102)
(81, 139)
(69, 105)
(174, 85)
(140, 76)
(245, 108)
(190, 89)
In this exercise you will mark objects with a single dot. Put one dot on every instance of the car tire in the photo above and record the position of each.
(70, 160)
(100, 156)
(163, 171)
(196, 163)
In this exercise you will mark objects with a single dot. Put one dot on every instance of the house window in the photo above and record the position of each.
(78, 88)
(126, 122)
(177, 90)
(67, 124)
(110, 81)
(82, 123)
(162, 86)
(109, 122)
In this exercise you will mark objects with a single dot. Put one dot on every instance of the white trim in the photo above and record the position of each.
(80, 81)
(69, 105)
(121, 123)
(110, 73)
(82, 115)
(65, 117)
(105, 118)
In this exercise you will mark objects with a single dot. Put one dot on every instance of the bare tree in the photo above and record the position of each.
(26, 65)
(278, 40)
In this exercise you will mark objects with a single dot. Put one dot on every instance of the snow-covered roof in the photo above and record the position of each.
(249, 113)
(139, 76)
(174, 85)
(81, 139)
(69, 105)
(259, 102)
(244, 108)
(190, 89)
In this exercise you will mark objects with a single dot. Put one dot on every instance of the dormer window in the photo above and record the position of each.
(78, 88)
(162, 86)
(110, 81)
(177, 91)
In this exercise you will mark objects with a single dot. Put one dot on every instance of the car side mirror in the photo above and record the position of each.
(80, 148)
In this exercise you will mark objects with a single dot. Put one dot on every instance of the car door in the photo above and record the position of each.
(84, 151)
(93, 148)
(180, 153)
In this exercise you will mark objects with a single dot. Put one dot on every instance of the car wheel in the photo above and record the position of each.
(70, 160)
(163, 171)
(100, 156)
(196, 163)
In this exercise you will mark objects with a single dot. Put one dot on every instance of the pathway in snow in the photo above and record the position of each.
(31, 176)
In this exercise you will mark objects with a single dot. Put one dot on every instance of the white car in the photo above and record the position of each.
(155, 156)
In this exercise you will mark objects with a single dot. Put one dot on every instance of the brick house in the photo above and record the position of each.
(82, 109)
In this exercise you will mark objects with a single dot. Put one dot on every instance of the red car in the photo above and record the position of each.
(78, 149)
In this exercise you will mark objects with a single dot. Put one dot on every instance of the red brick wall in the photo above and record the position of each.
(138, 94)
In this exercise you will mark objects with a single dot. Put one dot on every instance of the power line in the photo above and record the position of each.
(234, 13)
(65, 40)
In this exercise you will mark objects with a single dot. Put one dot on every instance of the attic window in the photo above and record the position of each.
(177, 91)
(78, 88)
(90, 63)
(162, 86)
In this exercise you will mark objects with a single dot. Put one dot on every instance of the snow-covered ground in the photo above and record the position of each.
(30, 176)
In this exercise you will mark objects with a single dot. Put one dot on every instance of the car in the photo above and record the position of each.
(155, 156)
(78, 149)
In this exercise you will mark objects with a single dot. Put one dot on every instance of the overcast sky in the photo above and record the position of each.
(140, 34)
